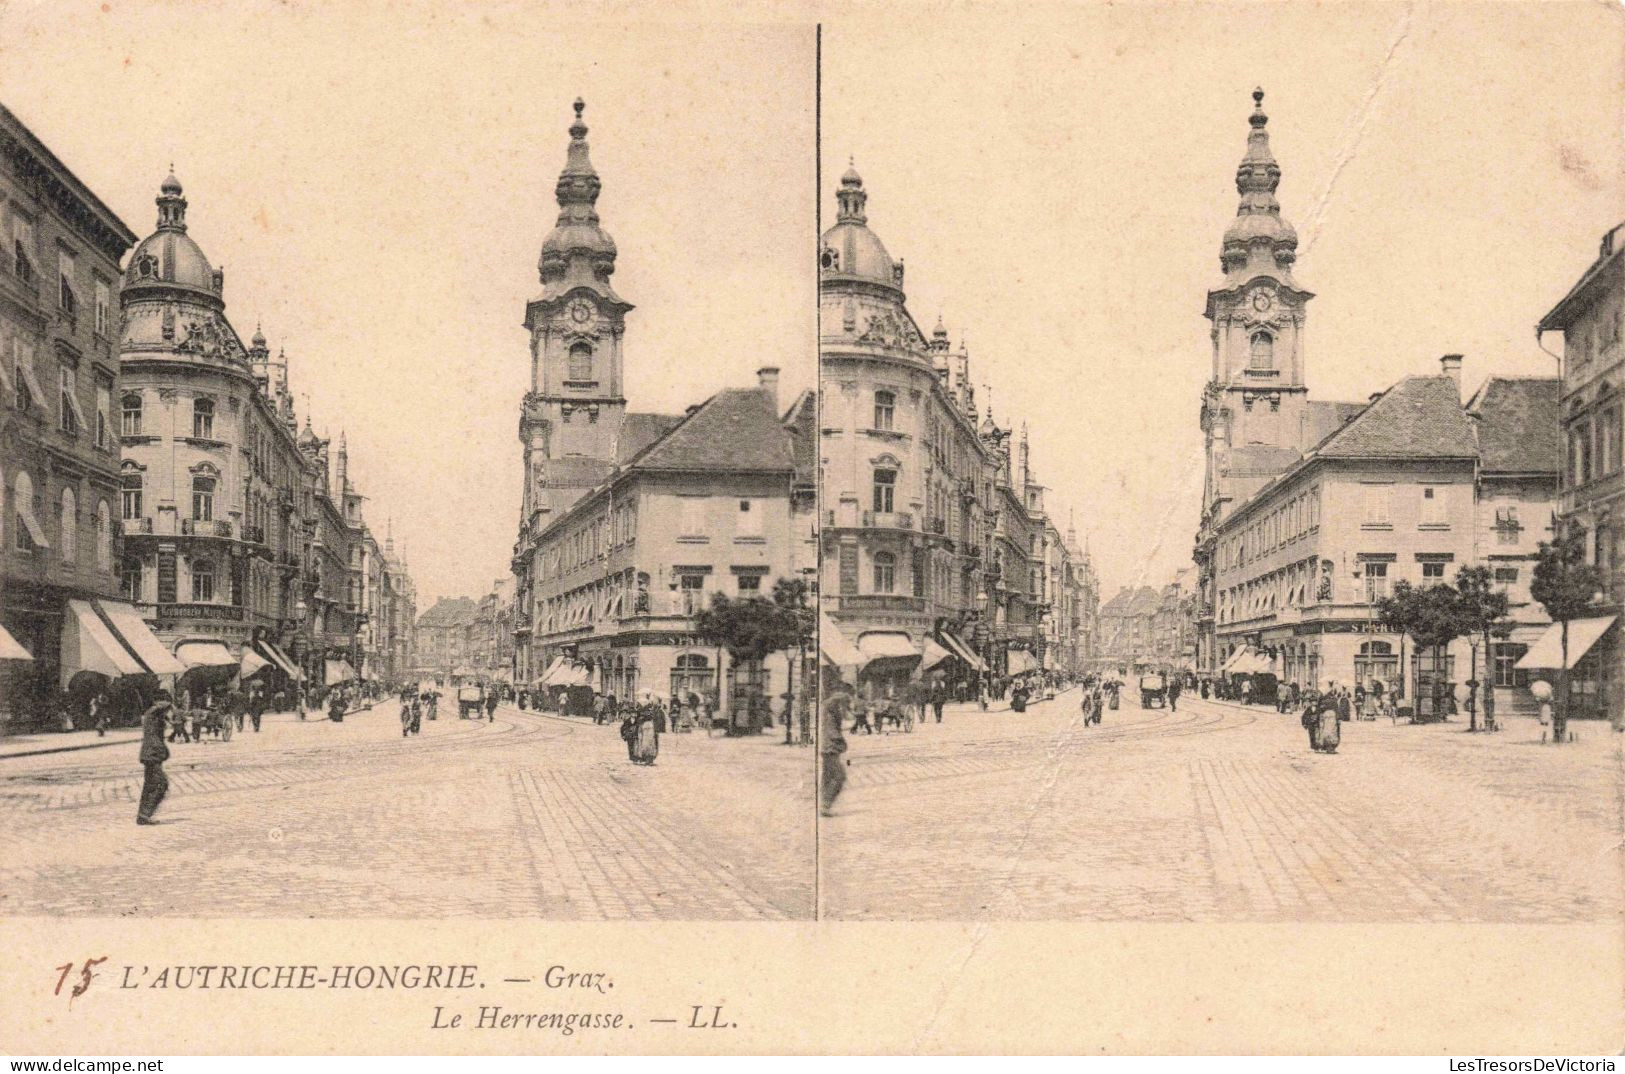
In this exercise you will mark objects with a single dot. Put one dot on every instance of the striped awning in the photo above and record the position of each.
(835, 646)
(129, 625)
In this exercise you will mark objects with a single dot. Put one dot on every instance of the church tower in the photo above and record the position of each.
(1255, 399)
(571, 418)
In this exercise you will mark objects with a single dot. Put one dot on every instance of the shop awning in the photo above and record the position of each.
(11, 648)
(1237, 659)
(88, 645)
(205, 654)
(339, 671)
(886, 645)
(1021, 662)
(280, 659)
(559, 663)
(565, 672)
(252, 662)
(835, 646)
(1548, 651)
(963, 651)
(129, 625)
(934, 654)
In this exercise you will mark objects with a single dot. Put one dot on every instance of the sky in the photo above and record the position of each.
(377, 181)
(1057, 182)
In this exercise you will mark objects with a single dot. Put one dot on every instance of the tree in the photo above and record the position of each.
(801, 625)
(1483, 611)
(1566, 586)
(752, 628)
(1431, 615)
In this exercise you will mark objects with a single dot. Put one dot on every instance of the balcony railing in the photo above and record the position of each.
(888, 520)
(936, 525)
(880, 602)
(130, 526)
(254, 534)
(199, 527)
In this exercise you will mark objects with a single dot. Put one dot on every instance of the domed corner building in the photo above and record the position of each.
(915, 567)
(214, 478)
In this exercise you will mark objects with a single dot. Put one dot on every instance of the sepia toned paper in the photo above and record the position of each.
(1056, 179)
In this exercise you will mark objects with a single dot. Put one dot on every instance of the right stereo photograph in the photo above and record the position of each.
(1222, 518)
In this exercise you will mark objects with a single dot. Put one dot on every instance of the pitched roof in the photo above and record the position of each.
(1131, 602)
(801, 422)
(1571, 306)
(450, 611)
(1322, 418)
(736, 429)
(1420, 417)
(639, 430)
(1518, 426)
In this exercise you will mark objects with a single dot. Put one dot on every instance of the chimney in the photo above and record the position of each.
(767, 378)
(693, 408)
(1451, 366)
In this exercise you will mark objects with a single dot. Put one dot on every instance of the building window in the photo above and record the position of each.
(885, 490)
(203, 419)
(104, 536)
(750, 518)
(1262, 352)
(1506, 576)
(1507, 672)
(692, 512)
(1376, 581)
(750, 584)
(131, 424)
(885, 572)
(104, 308)
(68, 415)
(691, 593)
(1377, 501)
(130, 578)
(1506, 525)
(67, 296)
(70, 526)
(104, 420)
(1433, 570)
(885, 410)
(27, 527)
(203, 498)
(1580, 454)
(580, 362)
(1432, 507)
(130, 493)
(22, 246)
(202, 580)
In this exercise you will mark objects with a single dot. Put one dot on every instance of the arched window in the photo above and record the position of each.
(104, 536)
(1263, 351)
(885, 572)
(70, 526)
(580, 362)
(203, 580)
(130, 482)
(885, 489)
(203, 419)
(693, 662)
(132, 415)
(202, 497)
(885, 409)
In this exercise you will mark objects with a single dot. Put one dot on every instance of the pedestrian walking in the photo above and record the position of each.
(256, 706)
(939, 697)
(860, 716)
(1174, 687)
(98, 714)
(831, 745)
(491, 707)
(154, 752)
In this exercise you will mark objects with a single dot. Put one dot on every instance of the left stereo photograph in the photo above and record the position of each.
(382, 538)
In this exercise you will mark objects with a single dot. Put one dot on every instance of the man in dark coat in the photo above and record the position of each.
(154, 752)
(939, 697)
(1174, 686)
(490, 706)
(831, 744)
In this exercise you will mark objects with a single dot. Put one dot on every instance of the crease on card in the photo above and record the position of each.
(1354, 133)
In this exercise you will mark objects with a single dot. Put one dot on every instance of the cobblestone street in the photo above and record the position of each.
(1219, 813)
(530, 815)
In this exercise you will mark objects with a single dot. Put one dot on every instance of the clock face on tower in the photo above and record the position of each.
(1262, 301)
(580, 312)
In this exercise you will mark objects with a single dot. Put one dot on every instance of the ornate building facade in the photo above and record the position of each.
(60, 249)
(934, 541)
(240, 532)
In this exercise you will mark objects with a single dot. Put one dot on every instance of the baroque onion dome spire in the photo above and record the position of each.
(1259, 239)
(851, 197)
(577, 251)
(171, 204)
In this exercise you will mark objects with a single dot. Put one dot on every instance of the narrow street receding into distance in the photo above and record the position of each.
(1218, 812)
(529, 815)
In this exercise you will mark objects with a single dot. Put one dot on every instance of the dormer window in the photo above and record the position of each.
(146, 266)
